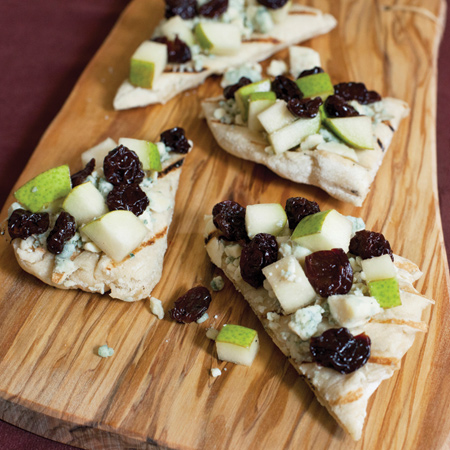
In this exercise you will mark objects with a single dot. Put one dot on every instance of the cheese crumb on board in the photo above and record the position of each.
(104, 351)
(215, 372)
(156, 308)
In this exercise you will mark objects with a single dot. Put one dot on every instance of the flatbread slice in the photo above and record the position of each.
(302, 23)
(391, 330)
(90, 269)
(341, 177)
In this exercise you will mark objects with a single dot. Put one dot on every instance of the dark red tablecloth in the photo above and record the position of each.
(44, 46)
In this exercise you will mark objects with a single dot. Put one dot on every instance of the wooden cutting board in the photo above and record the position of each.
(157, 391)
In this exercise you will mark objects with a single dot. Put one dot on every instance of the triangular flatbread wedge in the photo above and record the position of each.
(301, 24)
(343, 178)
(83, 265)
(391, 330)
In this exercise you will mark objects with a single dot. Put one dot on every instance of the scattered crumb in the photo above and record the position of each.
(215, 372)
(216, 316)
(104, 351)
(225, 369)
(156, 308)
(211, 333)
(110, 69)
(277, 67)
(167, 340)
(217, 283)
(203, 318)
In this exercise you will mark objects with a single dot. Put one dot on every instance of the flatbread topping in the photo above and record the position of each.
(331, 294)
(105, 227)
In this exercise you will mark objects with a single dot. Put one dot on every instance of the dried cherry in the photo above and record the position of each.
(273, 4)
(229, 218)
(22, 224)
(229, 91)
(261, 251)
(285, 88)
(356, 91)
(336, 106)
(213, 8)
(297, 208)
(186, 9)
(338, 349)
(313, 71)
(64, 229)
(329, 272)
(176, 140)
(192, 305)
(122, 166)
(305, 108)
(80, 177)
(369, 244)
(177, 50)
(129, 197)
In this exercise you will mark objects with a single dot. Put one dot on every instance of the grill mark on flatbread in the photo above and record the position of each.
(380, 144)
(311, 13)
(350, 397)
(384, 360)
(151, 241)
(267, 40)
(410, 323)
(175, 70)
(170, 168)
(388, 124)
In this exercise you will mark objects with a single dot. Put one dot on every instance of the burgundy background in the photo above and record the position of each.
(44, 47)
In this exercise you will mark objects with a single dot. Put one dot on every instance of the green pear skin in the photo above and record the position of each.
(45, 188)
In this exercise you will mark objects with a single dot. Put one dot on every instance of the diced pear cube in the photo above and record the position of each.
(316, 85)
(85, 203)
(237, 344)
(259, 102)
(218, 38)
(291, 135)
(290, 284)
(148, 63)
(276, 116)
(45, 188)
(379, 268)
(355, 131)
(146, 151)
(242, 95)
(324, 230)
(117, 233)
(353, 310)
(386, 292)
(265, 218)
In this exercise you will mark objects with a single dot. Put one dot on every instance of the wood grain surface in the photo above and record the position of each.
(156, 391)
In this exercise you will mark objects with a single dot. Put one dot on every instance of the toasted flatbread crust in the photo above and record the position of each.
(131, 279)
(342, 178)
(391, 332)
(302, 23)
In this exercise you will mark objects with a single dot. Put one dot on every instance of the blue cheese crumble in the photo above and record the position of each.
(105, 352)
(304, 322)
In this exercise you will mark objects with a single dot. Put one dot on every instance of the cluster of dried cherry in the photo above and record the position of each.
(177, 50)
(122, 168)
